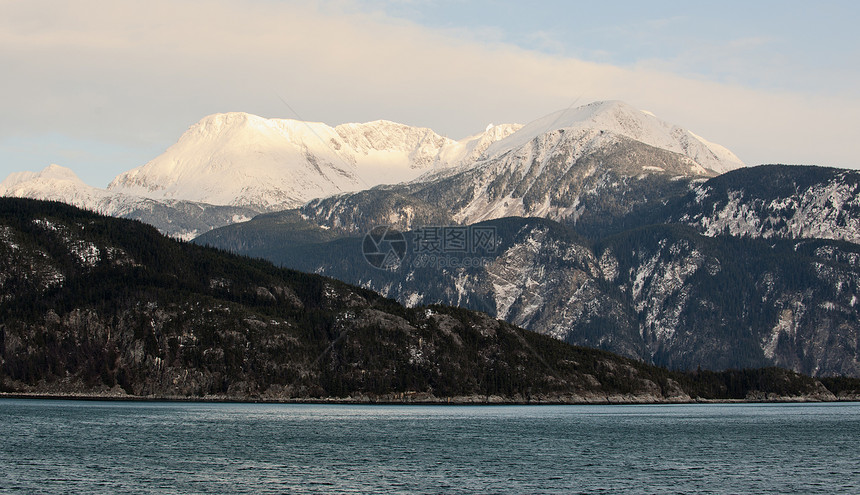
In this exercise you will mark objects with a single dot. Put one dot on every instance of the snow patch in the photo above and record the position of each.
(241, 159)
(619, 118)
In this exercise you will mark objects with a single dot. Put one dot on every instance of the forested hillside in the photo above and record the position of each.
(95, 305)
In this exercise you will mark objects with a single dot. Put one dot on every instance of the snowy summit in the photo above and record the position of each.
(242, 159)
(250, 164)
(620, 119)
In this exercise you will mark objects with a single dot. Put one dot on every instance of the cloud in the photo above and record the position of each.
(136, 74)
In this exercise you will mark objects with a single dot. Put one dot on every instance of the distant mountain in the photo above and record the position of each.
(581, 166)
(181, 219)
(103, 307)
(56, 183)
(601, 122)
(664, 293)
(229, 167)
(589, 167)
(240, 159)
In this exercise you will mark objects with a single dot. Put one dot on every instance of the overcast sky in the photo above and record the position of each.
(105, 86)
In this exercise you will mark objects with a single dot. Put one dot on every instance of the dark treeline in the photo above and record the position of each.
(151, 316)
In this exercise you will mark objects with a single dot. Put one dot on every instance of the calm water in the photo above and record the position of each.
(113, 447)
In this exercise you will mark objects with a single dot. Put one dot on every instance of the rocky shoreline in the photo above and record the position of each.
(429, 399)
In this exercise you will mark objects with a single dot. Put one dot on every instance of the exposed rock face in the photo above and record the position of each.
(782, 201)
(731, 302)
(664, 294)
(556, 176)
(136, 314)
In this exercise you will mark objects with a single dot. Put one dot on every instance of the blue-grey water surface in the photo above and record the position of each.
(132, 447)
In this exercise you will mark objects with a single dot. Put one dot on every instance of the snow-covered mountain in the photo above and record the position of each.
(585, 165)
(53, 183)
(241, 159)
(601, 122)
(177, 218)
(57, 183)
(560, 166)
(230, 167)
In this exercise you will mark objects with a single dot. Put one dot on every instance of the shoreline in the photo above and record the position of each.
(426, 401)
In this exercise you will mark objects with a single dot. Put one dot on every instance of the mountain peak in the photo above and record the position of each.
(621, 119)
(54, 171)
(241, 159)
(244, 126)
(54, 183)
(51, 173)
(238, 158)
(218, 123)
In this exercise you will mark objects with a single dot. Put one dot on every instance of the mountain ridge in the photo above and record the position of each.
(664, 293)
(240, 159)
(619, 118)
(124, 312)
(256, 164)
(775, 201)
(177, 218)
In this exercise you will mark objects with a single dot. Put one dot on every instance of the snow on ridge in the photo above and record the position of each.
(617, 117)
(53, 183)
(52, 172)
(819, 211)
(242, 159)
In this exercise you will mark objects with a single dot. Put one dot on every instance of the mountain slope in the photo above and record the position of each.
(775, 201)
(181, 219)
(596, 193)
(590, 167)
(94, 305)
(664, 294)
(620, 119)
(244, 160)
(718, 302)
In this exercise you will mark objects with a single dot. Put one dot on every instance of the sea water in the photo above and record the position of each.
(162, 447)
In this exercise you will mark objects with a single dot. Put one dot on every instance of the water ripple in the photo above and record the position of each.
(149, 448)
